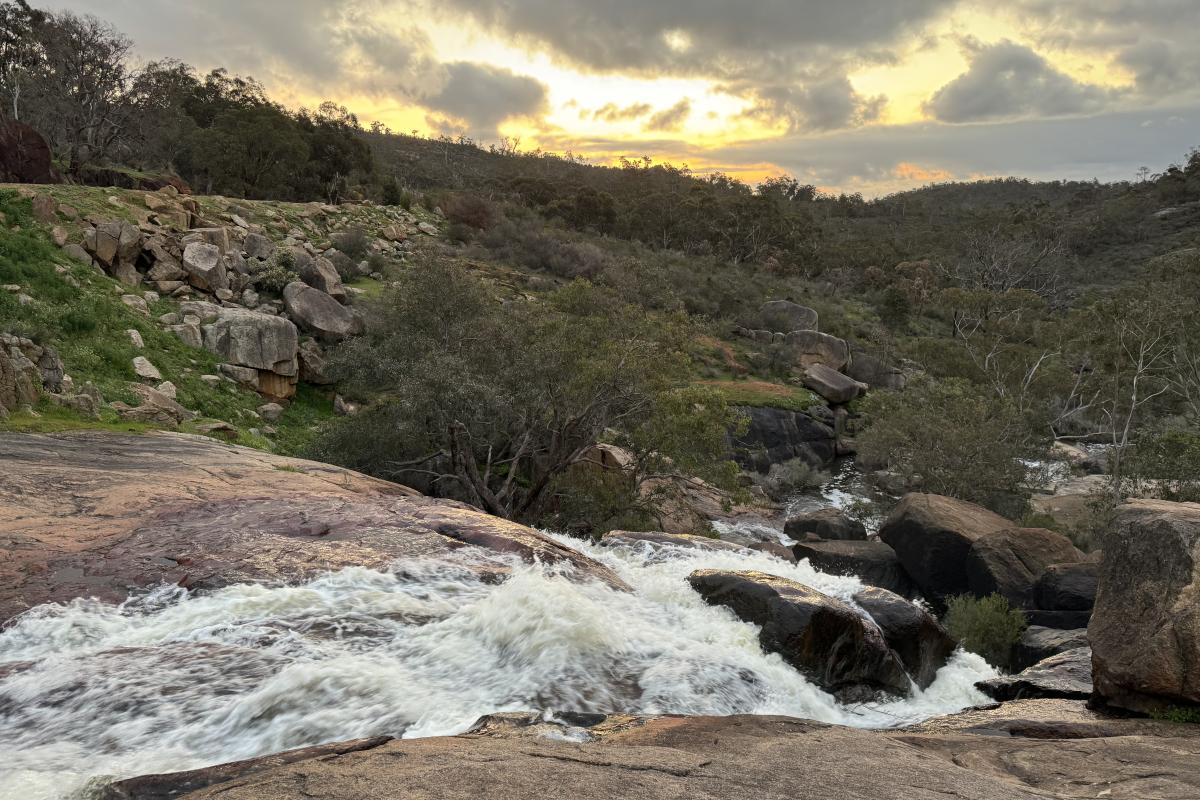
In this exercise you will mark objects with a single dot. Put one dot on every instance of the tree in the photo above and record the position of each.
(21, 54)
(959, 439)
(492, 402)
(251, 151)
(79, 97)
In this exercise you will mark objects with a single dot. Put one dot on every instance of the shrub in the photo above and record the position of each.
(1183, 715)
(988, 626)
(346, 267)
(471, 210)
(788, 478)
(354, 242)
(278, 272)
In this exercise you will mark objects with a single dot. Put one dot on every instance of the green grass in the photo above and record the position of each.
(87, 324)
(310, 408)
(1186, 715)
(764, 394)
(49, 418)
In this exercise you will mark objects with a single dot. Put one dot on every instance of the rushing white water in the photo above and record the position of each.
(173, 681)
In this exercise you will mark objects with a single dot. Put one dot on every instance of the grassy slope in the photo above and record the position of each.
(78, 310)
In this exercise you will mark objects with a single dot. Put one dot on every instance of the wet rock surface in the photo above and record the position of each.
(874, 562)
(1067, 675)
(819, 635)
(101, 514)
(1035, 750)
(920, 641)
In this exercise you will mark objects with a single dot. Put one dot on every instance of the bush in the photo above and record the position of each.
(346, 267)
(277, 273)
(788, 478)
(354, 242)
(471, 210)
(1166, 466)
(988, 626)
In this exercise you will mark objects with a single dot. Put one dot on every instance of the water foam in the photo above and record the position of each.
(172, 681)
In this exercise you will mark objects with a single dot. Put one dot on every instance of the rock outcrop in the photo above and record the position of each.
(784, 316)
(920, 641)
(319, 314)
(1066, 675)
(932, 535)
(819, 635)
(266, 343)
(1065, 594)
(1010, 562)
(1145, 629)
(776, 435)
(25, 156)
(825, 523)
(100, 514)
(874, 562)
(1039, 643)
(1030, 750)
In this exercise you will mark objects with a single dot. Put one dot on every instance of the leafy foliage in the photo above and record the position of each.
(988, 626)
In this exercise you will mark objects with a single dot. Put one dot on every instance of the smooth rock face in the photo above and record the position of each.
(778, 435)
(1010, 562)
(1068, 587)
(317, 312)
(810, 348)
(784, 316)
(1039, 643)
(320, 274)
(1051, 750)
(1145, 629)
(832, 385)
(199, 513)
(920, 641)
(205, 268)
(875, 373)
(1067, 675)
(874, 562)
(819, 635)
(932, 535)
(827, 523)
(249, 339)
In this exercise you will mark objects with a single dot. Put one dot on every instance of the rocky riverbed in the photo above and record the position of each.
(176, 603)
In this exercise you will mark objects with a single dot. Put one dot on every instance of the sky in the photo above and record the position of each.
(870, 96)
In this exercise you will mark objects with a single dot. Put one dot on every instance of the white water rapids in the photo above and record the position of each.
(172, 681)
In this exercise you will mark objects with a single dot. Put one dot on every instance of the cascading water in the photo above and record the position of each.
(172, 681)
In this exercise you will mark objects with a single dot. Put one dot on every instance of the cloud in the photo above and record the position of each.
(1006, 81)
(699, 37)
(671, 119)
(611, 112)
(483, 96)
(822, 104)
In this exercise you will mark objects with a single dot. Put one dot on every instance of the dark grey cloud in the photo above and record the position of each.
(788, 58)
(671, 119)
(818, 104)
(725, 38)
(483, 96)
(1008, 80)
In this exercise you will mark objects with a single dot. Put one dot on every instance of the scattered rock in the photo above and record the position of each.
(135, 338)
(831, 384)
(819, 635)
(1067, 675)
(319, 313)
(875, 563)
(271, 412)
(427, 229)
(827, 523)
(204, 266)
(320, 274)
(137, 303)
(145, 370)
(222, 430)
(1039, 643)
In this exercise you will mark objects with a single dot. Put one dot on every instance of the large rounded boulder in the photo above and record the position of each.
(920, 641)
(1145, 629)
(932, 536)
(1010, 562)
(320, 314)
(825, 523)
(822, 637)
(873, 562)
